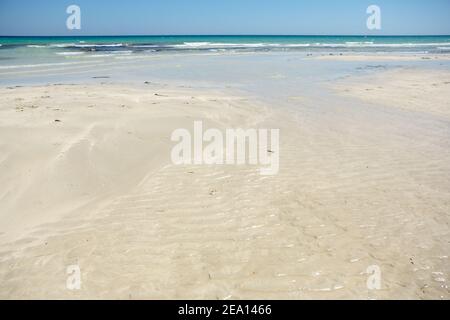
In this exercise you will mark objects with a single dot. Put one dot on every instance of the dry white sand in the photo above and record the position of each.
(98, 190)
(423, 91)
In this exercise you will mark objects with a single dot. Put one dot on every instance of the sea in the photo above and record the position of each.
(23, 51)
(259, 63)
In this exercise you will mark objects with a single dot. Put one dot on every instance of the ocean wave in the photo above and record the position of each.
(145, 46)
(219, 45)
(348, 44)
(71, 53)
(105, 54)
(298, 45)
(126, 48)
(83, 45)
(112, 45)
(206, 45)
(61, 45)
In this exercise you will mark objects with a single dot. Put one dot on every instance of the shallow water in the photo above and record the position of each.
(20, 52)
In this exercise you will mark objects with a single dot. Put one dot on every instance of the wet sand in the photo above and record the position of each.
(87, 180)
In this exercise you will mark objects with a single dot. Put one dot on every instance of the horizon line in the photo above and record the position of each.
(230, 35)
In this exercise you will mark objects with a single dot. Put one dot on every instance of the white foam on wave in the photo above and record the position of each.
(216, 45)
(110, 54)
(196, 44)
(98, 45)
(222, 45)
(348, 44)
(69, 53)
(61, 45)
(207, 45)
(298, 45)
(82, 45)
(99, 56)
(146, 46)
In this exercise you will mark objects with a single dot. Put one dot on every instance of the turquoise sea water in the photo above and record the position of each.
(230, 40)
(152, 44)
(142, 57)
(30, 51)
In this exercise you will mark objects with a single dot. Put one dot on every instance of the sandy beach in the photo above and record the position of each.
(364, 181)
(419, 91)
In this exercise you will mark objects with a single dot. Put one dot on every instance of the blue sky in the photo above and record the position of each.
(185, 17)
